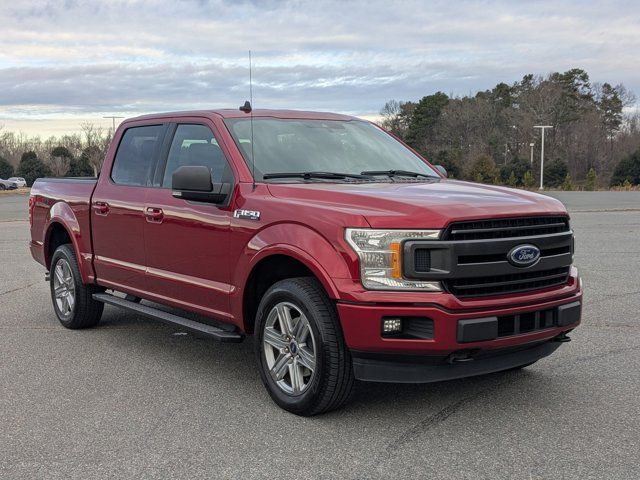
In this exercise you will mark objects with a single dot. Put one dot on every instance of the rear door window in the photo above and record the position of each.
(135, 159)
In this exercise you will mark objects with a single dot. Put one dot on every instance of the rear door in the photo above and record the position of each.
(187, 242)
(118, 209)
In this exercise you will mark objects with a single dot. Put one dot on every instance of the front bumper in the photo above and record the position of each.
(475, 331)
(399, 369)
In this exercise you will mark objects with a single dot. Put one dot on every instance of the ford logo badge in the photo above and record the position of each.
(524, 255)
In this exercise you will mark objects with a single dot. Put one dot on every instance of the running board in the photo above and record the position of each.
(166, 317)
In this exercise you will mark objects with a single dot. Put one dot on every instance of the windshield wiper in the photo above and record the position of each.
(398, 173)
(309, 175)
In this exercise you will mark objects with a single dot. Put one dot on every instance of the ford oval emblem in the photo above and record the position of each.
(524, 255)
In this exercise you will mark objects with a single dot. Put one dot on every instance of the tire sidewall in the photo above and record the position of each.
(63, 253)
(297, 403)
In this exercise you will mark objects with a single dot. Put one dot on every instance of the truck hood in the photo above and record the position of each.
(419, 205)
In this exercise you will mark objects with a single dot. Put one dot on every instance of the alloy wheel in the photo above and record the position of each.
(64, 290)
(289, 348)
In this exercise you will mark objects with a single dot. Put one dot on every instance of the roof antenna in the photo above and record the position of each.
(247, 108)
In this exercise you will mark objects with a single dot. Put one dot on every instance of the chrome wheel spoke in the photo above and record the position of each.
(58, 273)
(306, 358)
(302, 330)
(279, 369)
(284, 318)
(59, 291)
(274, 338)
(297, 379)
(71, 301)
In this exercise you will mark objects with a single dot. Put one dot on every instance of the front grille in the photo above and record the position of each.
(506, 228)
(422, 260)
(509, 283)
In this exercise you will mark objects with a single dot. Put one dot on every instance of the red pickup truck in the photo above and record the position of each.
(344, 252)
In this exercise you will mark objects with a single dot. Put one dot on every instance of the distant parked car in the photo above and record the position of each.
(21, 182)
(8, 185)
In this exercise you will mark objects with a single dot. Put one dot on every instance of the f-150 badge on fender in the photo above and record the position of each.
(247, 214)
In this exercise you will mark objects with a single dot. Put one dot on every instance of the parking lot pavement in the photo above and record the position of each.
(13, 207)
(131, 399)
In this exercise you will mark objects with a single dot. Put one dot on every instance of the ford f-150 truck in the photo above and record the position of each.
(344, 252)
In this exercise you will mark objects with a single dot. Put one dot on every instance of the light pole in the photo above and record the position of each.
(113, 121)
(532, 145)
(543, 128)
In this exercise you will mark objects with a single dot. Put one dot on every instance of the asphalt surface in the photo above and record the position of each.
(137, 399)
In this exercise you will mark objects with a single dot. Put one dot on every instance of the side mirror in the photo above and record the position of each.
(194, 183)
(442, 170)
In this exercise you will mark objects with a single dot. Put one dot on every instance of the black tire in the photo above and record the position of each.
(331, 384)
(2, 187)
(86, 311)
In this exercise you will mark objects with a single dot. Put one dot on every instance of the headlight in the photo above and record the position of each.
(380, 253)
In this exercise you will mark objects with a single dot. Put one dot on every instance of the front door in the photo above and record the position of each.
(187, 242)
(117, 210)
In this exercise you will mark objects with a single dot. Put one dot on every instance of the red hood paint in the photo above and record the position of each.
(419, 205)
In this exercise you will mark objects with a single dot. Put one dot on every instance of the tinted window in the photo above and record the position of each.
(195, 145)
(134, 160)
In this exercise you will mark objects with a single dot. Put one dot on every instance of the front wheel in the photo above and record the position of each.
(72, 300)
(303, 360)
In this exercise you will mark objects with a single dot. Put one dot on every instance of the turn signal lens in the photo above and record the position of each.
(395, 260)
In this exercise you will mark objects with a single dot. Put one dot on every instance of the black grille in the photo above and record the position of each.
(506, 228)
(510, 283)
(526, 322)
(422, 260)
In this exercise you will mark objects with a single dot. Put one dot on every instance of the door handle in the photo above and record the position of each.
(154, 214)
(101, 208)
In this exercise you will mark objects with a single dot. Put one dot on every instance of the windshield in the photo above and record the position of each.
(296, 146)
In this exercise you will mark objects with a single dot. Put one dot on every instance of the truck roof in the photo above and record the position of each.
(235, 113)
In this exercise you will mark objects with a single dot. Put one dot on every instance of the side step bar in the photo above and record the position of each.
(166, 317)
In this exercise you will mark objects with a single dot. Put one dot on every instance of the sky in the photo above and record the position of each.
(68, 61)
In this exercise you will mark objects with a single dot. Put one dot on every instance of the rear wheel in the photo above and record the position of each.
(72, 300)
(304, 362)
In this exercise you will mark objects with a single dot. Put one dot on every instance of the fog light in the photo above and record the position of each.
(391, 325)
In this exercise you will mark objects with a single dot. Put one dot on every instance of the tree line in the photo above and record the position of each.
(76, 155)
(487, 137)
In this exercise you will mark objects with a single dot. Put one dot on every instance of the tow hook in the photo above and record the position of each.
(563, 338)
(460, 357)
(47, 277)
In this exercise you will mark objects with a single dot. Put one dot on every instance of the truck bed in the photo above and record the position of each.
(64, 201)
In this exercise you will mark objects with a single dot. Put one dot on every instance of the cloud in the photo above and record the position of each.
(80, 57)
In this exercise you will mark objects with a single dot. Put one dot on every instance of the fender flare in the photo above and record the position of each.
(311, 249)
(303, 257)
(62, 214)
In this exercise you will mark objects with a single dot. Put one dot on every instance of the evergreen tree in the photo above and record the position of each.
(424, 118)
(591, 180)
(518, 167)
(627, 170)
(555, 173)
(31, 168)
(528, 180)
(567, 184)
(483, 170)
(6, 169)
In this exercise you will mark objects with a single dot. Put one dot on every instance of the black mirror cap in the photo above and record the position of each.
(193, 182)
(195, 178)
(442, 170)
